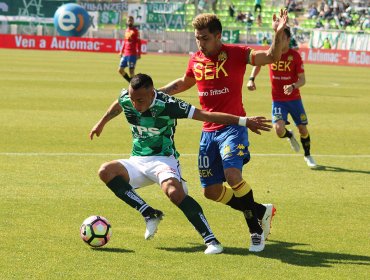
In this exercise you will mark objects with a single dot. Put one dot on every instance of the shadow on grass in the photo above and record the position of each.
(113, 250)
(285, 252)
(338, 169)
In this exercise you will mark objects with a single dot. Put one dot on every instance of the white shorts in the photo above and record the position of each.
(144, 171)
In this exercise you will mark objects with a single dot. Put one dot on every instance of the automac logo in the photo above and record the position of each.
(71, 20)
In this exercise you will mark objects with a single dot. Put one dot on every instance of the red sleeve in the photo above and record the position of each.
(138, 44)
(299, 61)
(189, 71)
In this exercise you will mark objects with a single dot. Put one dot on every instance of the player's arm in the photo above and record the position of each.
(255, 124)
(251, 85)
(288, 89)
(113, 111)
(138, 45)
(178, 85)
(260, 58)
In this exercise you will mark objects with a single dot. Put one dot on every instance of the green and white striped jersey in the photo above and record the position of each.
(153, 131)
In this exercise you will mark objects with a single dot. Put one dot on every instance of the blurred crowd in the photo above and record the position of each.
(339, 14)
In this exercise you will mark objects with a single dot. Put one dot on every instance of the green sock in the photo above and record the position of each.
(126, 193)
(193, 211)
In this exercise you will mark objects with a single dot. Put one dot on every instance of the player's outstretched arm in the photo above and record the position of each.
(255, 124)
(273, 54)
(178, 85)
(251, 85)
(114, 110)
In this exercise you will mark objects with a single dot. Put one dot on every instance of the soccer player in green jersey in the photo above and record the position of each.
(152, 116)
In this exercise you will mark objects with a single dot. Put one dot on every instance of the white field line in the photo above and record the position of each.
(184, 155)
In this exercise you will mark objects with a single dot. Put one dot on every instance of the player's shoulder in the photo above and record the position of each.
(233, 47)
(123, 95)
(294, 52)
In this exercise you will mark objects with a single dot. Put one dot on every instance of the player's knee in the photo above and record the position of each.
(103, 172)
(174, 191)
(303, 130)
(280, 130)
(212, 192)
(108, 171)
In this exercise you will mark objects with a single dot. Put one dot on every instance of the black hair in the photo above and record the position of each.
(141, 81)
(287, 31)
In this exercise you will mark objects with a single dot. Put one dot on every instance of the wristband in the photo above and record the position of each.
(251, 79)
(242, 121)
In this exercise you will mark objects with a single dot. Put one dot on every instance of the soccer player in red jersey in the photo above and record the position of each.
(218, 70)
(130, 51)
(287, 76)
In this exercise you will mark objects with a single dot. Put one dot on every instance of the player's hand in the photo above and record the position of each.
(138, 57)
(120, 54)
(96, 130)
(288, 89)
(251, 85)
(279, 23)
(258, 123)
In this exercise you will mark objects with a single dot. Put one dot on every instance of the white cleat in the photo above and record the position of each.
(310, 161)
(267, 218)
(213, 247)
(152, 223)
(257, 242)
(293, 142)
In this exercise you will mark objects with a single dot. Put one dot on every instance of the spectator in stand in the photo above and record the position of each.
(249, 18)
(328, 12)
(240, 16)
(258, 6)
(312, 12)
(231, 10)
(290, 5)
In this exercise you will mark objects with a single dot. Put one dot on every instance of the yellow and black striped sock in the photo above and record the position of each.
(244, 192)
(227, 197)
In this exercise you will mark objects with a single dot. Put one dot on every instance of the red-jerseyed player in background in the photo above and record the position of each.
(287, 76)
(218, 70)
(131, 50)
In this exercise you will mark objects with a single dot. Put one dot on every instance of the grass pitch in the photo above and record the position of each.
(50, 100)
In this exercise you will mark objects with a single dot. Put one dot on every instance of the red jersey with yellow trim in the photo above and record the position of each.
(285, 72)
(131, 42)
(220, 80)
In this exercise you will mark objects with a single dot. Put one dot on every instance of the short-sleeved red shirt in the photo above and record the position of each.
(220, 80)
(285, 72)
(132, 43)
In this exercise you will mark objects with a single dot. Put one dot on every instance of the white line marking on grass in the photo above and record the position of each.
(186, 155)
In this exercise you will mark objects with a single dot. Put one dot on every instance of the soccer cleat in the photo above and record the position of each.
(257, 242)
(310, 161)
(293, 142)
(213, 247)
(267, 218)
(152, 221)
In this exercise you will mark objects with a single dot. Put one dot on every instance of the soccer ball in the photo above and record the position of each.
(96, 231)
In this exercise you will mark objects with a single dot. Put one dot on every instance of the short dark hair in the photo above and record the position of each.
(209, 21)
(287, 31)
(141, 81)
